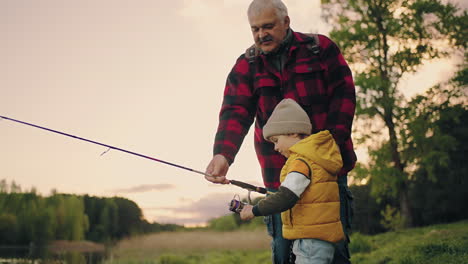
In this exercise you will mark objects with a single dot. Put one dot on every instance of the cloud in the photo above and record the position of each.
(146, 188)
(197, 212)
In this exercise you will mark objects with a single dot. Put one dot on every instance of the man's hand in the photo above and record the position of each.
(246, 213)
(217, 169)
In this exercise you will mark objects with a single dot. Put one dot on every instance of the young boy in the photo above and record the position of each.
(308, 196)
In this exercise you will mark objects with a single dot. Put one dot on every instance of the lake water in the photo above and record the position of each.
(35, 255)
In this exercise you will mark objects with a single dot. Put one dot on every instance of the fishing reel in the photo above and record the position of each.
(236, 205)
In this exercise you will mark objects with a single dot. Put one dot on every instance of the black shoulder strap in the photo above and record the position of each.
(314, 47)
(251, 53)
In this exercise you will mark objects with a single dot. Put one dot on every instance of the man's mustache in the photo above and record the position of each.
(266, 38)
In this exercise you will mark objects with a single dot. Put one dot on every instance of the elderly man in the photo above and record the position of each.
(285, 64)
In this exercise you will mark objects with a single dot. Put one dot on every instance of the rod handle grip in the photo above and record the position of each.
(249, 186)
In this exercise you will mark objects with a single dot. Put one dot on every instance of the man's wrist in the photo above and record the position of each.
(227, 157)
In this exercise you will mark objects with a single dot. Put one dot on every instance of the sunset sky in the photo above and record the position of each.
(145, 75)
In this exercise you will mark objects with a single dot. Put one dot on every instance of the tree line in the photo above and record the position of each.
(28, 217)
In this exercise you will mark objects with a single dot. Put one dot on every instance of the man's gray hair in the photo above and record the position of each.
(257, 6)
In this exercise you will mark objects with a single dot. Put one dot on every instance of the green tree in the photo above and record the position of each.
(106, 226)
(27, 212)
(383, 41)
(440, 183)
(8, 229)
(70, 219)
(3, 186)
(15, 188)
(129, 217)
(366, 211)
(56, 201)
(76, 221)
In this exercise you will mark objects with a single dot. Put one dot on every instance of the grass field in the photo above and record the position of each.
(446, 243)
(195, 247)
(436, 244)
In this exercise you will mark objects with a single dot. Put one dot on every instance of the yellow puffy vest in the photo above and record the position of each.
(317, 212)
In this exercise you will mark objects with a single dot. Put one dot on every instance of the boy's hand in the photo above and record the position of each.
(246, 213)
(218, 169)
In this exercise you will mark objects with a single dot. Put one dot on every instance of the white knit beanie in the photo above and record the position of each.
(288, 117)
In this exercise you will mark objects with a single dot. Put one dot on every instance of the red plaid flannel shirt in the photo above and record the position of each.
(322, 84)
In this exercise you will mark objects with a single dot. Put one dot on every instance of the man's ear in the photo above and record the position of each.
(287, 21)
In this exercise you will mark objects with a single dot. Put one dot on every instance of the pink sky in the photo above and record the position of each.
(146, 76)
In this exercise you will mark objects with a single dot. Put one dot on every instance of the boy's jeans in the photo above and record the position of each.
(315, 251)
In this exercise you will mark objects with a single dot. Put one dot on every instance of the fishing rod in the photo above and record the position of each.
(241, 184)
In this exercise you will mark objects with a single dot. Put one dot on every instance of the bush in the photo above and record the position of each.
(224, 223)
(359, 243)
(173, 259)
(392, 219)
